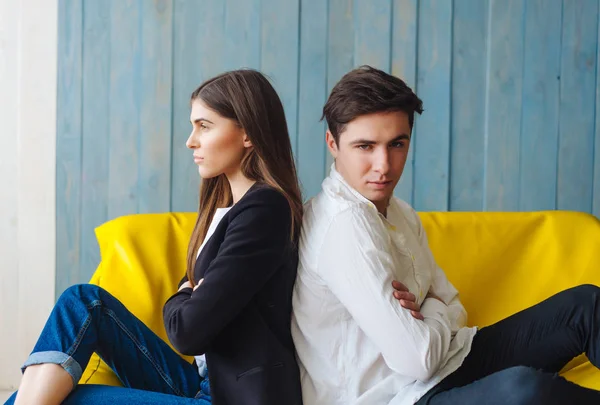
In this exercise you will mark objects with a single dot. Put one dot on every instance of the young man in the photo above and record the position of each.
(375, 320)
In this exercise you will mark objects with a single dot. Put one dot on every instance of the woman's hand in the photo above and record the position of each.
(187, 284)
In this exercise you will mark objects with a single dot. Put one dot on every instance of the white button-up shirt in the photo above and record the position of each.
(356, 344)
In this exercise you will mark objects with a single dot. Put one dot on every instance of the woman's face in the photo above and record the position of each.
(219, 144)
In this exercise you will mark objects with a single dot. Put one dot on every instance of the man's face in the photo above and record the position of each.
(371, 153)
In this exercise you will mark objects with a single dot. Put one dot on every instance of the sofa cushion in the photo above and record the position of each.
(500, 262)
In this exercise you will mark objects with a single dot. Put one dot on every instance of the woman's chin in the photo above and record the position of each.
(207, 174)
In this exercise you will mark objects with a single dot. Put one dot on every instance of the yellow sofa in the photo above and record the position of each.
(500, 262)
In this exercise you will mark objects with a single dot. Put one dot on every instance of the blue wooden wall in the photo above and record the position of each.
(509, 87)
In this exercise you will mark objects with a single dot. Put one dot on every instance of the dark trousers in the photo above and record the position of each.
(516, 360)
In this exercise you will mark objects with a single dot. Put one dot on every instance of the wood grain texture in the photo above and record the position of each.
(242, 35)
(279, 55)
(373, 33)
(312, 94)
(432, 145)
(467, 147)
(95, 142)
(340, 49)
(504, 101)
(596, 176)
(198, 36)
(577, 111)
(125, 107)
(539, 124)
(68, 143)
(509, 87)
(154, 181)
(404, 65)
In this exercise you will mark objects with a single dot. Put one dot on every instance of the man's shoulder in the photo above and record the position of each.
(408, 212)
(320, 214)
(402, 204)
(320, 211)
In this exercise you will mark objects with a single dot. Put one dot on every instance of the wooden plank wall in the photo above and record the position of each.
(509, 87)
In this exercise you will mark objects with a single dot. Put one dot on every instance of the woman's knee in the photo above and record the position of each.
(81, 292)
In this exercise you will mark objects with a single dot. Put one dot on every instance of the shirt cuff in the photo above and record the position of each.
(434, 308)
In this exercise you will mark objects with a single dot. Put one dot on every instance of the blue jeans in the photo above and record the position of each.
(88, 319)
(516, 361)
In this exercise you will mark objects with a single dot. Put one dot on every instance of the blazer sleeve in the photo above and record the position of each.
(183, 280)
(256, 242)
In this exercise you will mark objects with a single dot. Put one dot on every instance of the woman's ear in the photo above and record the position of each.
(247, 142)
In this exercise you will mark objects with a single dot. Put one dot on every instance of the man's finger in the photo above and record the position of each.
(399, 286)
(404, 295)
(413, 306)
(417, 315)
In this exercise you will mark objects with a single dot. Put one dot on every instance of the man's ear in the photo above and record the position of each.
(331, 144)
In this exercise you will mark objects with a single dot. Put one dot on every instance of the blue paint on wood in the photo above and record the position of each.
(468, 112)
(539, 125)
(596, 176)
(432, 146)
(340, 49)
(154, 181)
(372, 35)
(242, 35)
(404, 65)
(500, 131)
(68, 144)
(312, 94)
(577, 110)
(95, 109)
(279, 55)
(195, 59)
(125, 106)
(504, 91)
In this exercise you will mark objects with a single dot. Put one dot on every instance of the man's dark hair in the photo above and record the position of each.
(367, 90)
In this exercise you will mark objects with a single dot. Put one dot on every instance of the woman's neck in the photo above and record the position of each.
(239, 184)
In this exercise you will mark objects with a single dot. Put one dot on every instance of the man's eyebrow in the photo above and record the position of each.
(401, 137)
(362, 142)
(369, 142)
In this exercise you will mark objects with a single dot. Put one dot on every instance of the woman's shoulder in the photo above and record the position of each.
(263, 197)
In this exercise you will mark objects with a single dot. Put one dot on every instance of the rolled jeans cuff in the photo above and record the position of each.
(68, 363)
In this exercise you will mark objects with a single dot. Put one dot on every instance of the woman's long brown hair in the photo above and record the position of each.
(246, 97)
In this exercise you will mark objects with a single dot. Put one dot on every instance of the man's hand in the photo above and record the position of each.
(432, 295)
(407, 299)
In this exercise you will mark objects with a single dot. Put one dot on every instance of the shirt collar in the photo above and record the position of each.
(337, 185)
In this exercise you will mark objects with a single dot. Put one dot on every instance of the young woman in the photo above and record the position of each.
(233, 307)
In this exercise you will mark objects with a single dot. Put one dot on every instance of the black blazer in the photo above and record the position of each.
(240, 315)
